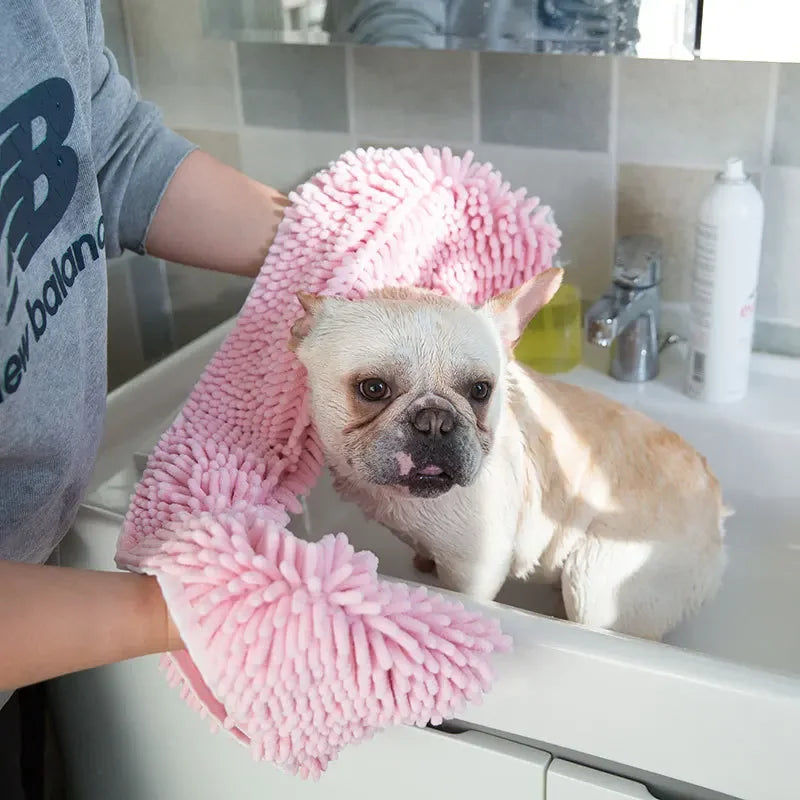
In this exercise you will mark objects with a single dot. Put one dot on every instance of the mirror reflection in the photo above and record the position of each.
(535, 25)
(645, 28)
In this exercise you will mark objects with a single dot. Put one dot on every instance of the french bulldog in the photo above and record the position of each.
(489, 470)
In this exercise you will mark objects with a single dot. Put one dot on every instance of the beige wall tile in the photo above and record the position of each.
(201, 299)
(293, 86)
(412, 93)
(189, 76)
(663, 201)
(579, 187)
(694, 114)
(152, 304)
(125, 358)
(221, 145)
(116, 35)
(786, 146)
(284, 159)
(549, 101)
(779, 283)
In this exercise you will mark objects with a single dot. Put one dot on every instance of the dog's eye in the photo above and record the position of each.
(374, 389)
(480, 391)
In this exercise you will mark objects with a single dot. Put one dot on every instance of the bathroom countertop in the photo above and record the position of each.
(770, 402)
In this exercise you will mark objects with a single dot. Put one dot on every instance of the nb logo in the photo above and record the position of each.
(38, 176)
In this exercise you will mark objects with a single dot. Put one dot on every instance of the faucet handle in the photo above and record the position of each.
(637, 262)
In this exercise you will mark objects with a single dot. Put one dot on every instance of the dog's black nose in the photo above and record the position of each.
(434, 421)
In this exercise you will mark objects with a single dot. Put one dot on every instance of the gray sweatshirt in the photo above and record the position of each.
(83, 165)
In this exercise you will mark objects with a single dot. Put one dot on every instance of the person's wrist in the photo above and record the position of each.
(174, 641)
(278, 203)
(165, 634)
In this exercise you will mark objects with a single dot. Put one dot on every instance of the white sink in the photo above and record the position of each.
(717, 709)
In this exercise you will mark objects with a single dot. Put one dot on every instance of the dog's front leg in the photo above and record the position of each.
(473, 554)
(423, 560)
(479, 577)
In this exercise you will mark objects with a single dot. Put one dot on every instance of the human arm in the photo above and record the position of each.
(56, 620)
(215, 217)
(160, 194)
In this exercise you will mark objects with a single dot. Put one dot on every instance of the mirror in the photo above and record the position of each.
(647, 28)
(744, 30)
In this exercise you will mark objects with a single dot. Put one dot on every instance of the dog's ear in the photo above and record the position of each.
(514, 309)
(311, 303)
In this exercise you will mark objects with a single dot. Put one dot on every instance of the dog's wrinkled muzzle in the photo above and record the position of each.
(431, 450)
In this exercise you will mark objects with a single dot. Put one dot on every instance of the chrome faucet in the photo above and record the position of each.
(627, 317)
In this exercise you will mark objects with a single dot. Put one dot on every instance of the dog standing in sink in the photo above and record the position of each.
(488, 470)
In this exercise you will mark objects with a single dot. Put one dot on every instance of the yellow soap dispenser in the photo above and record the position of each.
(552, 341)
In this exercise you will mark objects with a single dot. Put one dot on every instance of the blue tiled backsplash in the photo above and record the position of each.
(614, 145)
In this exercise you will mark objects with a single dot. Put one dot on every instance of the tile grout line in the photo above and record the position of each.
(475, 73)
(770, 121)
(392, 141)
(613, 141)
(162, 307)
(272, 129)
(238, 100)
(666, 163)
(213, 127)
(522, 149)
(129, 44)
(131, 297)
(350, 92)
(169, 309)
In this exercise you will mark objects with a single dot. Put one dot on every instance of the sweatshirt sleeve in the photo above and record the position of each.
(135, 154)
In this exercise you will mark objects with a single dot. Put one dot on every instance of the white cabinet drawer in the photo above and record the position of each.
(464, 765)
(567, 781)
(118, 746)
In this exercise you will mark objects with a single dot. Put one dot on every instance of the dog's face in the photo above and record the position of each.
(407, 387)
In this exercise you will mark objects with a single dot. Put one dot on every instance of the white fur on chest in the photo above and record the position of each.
(464, 521)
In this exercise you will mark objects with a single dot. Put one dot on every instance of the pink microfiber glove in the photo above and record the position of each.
(299, 648)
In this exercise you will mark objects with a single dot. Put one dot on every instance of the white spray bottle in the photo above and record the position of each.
(728, 234)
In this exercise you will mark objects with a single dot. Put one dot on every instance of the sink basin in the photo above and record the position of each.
(716, 708)
(750, 448)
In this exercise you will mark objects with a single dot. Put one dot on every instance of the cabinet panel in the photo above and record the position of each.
(463, 765)
(116, 746)
(568, 781)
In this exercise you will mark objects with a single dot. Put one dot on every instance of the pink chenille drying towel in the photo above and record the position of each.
(299, 648)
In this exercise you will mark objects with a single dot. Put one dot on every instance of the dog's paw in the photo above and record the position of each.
(423, 564)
